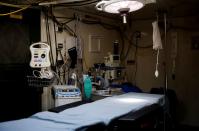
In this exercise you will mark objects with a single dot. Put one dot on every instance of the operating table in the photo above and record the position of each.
(105, 114)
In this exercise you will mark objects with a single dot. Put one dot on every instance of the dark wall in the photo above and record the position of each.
(17, 100)
(16, 35)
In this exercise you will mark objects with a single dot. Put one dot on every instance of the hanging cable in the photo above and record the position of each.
(72, 3)
(64, 26)
(80, 3)
(23, 7)
(165, 68)
(13, 12)
(32, 2)
(136, 60)
(131, 43)
(56, 46)
(22, 3)
(55, 36)
(49, 37)
(122, 42)
(165, 41)
(11, 5)
(66, 22)
(138, 46)
(104, 25)
(84, 58)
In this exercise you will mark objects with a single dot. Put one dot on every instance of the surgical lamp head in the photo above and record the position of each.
(122, 7)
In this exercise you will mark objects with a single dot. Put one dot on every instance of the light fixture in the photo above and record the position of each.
(122, 6)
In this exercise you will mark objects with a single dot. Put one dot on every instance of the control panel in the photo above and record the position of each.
(40, 55)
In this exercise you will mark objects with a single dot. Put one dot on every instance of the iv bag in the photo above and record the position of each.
(157, 42)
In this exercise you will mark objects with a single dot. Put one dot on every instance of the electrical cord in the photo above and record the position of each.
(166, 82)
(128, 49)
(104, 25)
(62, 2)
(26, 2)
(66, 22)
(122, 43)
(63, 17)
(44, 73)
(132, 44)
(56, 57)
(165, 41)
(55, 37)
(58, 78)
(16, 11)
(11, 5)
(49, 38)
(80, 3)
(127, 52)
(22, 6)
(71, 32)
(78, 38)
(138, 46)
(65, 66)
(84, 58)
(136, 61)
(64, 26)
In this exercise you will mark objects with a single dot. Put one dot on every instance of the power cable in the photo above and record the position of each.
(66, 22)
(64, 26)
(21, 6)
(131, 43)
(55, 36)
(122, 42)
(49, 38)
(83, 3)
(136, 60)
(104, 25)
(22, 3)
(16, 11)
(11, 5)
(65, 3)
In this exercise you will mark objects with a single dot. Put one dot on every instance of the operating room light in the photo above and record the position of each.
(122, 7)
(117, 6)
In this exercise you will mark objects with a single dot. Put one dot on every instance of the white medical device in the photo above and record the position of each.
(112, 60)
(40, 55)
(65, 94)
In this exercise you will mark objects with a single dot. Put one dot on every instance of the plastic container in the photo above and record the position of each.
(87, 87)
